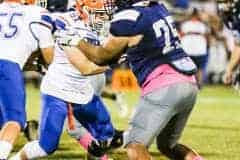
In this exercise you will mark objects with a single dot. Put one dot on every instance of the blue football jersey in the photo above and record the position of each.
(160, 43)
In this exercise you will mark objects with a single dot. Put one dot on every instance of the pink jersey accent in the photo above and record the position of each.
(163, 76)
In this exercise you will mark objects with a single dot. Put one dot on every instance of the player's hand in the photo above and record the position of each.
(68, 37)
(72, 36)
(228, 76)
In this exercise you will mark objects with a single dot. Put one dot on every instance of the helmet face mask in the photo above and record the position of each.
(96, 15)
(109, 7)
(98, 20)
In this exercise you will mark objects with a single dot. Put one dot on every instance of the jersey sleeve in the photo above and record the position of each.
(126, 23)
(41, 27)
(43, 35)
(45, 18)
(47, 21)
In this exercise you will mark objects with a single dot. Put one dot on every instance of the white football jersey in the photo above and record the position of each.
(22, 31)
(62, 79)
(194, 40)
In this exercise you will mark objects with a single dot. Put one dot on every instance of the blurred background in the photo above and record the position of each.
(208, 42)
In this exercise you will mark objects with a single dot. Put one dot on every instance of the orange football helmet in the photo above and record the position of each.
(92, 4)
(92, 11)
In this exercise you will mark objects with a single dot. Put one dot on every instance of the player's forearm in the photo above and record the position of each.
(97, 54)
(95, 70)
(82, 63)
(48, 54)
(89, 68)
(235, 59)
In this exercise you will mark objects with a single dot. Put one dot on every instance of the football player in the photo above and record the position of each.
(195, 31)
(64, 86)
(98, 20)
(22, 31)
(146, 32)
(229, 11)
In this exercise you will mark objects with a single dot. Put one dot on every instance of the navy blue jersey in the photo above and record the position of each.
(160, 43)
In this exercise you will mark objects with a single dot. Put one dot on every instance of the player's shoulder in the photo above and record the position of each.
(35, 13)
(124, 23)
(35, 10)
(126, 15)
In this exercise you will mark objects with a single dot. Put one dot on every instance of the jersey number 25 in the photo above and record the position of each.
(164, 27)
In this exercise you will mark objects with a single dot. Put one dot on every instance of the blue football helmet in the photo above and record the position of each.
(112, 5)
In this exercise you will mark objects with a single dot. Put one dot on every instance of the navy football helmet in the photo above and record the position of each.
(229, 11)
(54, 5)
(113, 5)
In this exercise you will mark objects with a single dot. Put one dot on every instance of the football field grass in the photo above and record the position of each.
(213, 129)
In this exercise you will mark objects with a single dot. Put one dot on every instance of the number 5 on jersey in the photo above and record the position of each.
(8, 24)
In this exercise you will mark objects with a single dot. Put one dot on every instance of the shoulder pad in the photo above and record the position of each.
(127, 15)
(47, 20)
(124, 23)
(40, 15)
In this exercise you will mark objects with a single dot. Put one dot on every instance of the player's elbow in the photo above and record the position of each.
(103, 59)
(48, 54)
